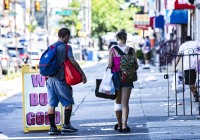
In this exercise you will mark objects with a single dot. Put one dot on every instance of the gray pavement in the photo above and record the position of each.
(95, 118)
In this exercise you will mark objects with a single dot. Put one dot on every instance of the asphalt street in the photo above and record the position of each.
(150, 117)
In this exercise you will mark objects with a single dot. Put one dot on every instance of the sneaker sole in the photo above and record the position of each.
(53, 133)
(68, 130)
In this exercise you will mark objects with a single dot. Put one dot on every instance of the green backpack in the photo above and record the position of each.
(128, 66)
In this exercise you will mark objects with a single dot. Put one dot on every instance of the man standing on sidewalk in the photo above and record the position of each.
(189, 63)
(146, 50)
(58, 90)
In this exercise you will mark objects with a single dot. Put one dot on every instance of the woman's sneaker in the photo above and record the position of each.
(54, 131)
(68, 128)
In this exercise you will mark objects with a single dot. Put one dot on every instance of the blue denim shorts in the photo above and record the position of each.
(59, 91)
(118, 84)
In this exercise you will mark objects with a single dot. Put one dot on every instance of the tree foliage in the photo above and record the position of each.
(107, 17)
(70, 20)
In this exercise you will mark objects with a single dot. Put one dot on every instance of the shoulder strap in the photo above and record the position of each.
(119, 50)
(58, 43)
(113, 50)
(67, 49)
(130, 51)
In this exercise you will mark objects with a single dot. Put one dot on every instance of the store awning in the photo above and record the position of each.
(183, 5)
(177, 16)
(159, 22)
(178, 4)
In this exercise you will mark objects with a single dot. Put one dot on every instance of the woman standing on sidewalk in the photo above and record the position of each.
(123, 90)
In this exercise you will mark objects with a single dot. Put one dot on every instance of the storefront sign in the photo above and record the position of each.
(141, 21)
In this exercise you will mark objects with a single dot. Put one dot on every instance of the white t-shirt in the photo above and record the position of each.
(189, 47)
(122, 48)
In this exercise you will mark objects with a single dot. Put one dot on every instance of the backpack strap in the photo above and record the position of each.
(130, 51)
(119, 50)
(67, 49)
(56, 44)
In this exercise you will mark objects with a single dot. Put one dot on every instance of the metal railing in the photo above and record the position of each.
(180, 101)
(168, 47)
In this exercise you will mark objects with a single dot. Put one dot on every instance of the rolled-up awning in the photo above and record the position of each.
(177, 16)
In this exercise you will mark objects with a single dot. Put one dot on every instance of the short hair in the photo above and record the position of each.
(188, 38)
(63, 32)
(122, 34)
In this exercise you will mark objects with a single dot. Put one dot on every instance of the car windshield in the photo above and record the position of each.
(13, 53)
(20, 50)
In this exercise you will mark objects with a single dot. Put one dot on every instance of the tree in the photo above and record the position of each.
(31, 28)
(70, 20)
(107, 17)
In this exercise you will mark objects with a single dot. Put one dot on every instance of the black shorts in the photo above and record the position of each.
(147, 56)
(190, 76)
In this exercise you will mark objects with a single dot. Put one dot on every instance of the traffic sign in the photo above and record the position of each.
(64, 12)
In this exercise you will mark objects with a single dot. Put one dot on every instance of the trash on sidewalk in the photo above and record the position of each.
(177, 83)
(151, 78)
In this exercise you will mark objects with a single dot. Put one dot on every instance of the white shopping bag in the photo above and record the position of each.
(177, 83)
(107, 85)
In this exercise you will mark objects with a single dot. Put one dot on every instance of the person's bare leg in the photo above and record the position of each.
(193, 89)
(125, 105)
(118, 109)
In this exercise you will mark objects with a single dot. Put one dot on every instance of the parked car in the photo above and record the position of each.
(35, 55)
(16, 58)
(7, 61)
(22, 51)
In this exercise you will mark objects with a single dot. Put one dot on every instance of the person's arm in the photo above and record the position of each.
(177, 61)
(110, 59)
(77, 66)
(179, 57)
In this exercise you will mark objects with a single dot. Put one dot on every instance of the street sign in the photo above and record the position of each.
(64, 12)
(13, 14)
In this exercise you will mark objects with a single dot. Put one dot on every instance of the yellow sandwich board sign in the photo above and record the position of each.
(35, 102)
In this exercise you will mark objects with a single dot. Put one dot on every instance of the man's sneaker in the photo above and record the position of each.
(68, 128)
(54, 131)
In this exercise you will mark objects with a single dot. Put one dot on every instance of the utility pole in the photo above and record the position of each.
(47, 24)
(15, 22)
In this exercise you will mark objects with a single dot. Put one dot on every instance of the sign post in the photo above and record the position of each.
(64, 12)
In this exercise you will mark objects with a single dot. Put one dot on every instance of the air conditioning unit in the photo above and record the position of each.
(197, 3)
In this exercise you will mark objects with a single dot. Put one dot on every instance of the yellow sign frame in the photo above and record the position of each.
(26, 70)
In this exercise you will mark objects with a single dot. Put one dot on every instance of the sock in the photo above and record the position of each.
(52, 120)
(68, 113)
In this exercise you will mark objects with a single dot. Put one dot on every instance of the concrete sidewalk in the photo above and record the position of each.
(95, 117)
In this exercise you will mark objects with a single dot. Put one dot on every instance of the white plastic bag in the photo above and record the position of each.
(177, 83)
(107, 85)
